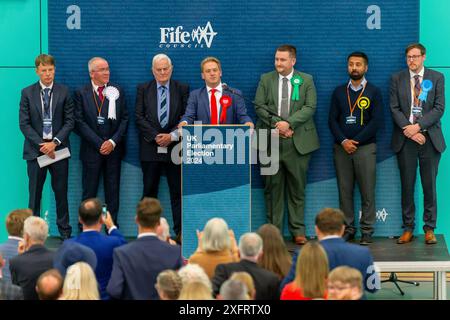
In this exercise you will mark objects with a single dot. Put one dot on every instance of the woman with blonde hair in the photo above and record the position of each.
(310, 275)
(275, 257)
(80, 283)
(216, 245)
(196, 290)
(168, 284)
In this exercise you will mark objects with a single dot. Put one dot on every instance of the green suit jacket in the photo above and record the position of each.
(301, 113)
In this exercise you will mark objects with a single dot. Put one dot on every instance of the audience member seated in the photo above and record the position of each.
(329, 228)
(276, 257)
(250, 249)
(92, 220)
(196, 290)
(80, 283)
(194, 273)
(49, 285)
(36, 259)
(247, 280)
(233, 290)
(8, 291)
(14, 227)
(345, 283)
(168, 285)
(311, 275)
(216, 245)
(163, 231)
(137, 264)
(71, 252)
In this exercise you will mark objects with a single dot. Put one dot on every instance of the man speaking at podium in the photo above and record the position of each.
(215, 103)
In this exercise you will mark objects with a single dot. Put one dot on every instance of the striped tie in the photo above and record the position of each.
(416, 95)
(163, 119)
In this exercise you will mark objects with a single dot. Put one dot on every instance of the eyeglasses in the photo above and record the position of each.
(338, 288)
(413, 57)
(102, 70)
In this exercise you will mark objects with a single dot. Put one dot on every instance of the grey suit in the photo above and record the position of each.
(408, 151)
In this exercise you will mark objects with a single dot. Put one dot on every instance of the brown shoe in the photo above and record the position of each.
(406, 237)
(300, 240)
(430, 238)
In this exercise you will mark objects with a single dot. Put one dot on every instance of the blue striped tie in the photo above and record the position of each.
(163, 119)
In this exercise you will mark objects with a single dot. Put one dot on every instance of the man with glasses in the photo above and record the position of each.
(417, 104)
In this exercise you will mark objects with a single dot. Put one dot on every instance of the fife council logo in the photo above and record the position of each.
(175, 37)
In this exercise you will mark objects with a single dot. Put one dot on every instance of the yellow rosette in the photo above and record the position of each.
(363, 103)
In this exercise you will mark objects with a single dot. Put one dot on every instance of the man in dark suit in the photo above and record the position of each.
(137, 264)
(8, 291)
(101, 122)
(215, 103)
(250, 249)
(46, 120)
(329, 228)
(417, 104)
(35, 260)
(90, 216)
(160, 104)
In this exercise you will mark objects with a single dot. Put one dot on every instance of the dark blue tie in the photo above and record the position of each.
(163, 119)
(47, 117)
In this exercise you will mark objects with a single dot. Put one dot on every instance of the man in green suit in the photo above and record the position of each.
(286, 100)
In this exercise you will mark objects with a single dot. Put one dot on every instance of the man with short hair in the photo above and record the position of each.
(286, 101)
(215, 103)
(8, 291)
(14, 226)
(35, 260)
(330, 226)
(250, 249)
(233, 290)
(345, 283)
(49, 285)
(417, 103)
(92, 220)
(46, 120)
(160, 104)
(101, 121)
(356, 114)
(137, 264)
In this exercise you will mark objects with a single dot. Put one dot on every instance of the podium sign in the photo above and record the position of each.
(216, 179)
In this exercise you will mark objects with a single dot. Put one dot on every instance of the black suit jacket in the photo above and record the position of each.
(30, 118)
(147, 117)
(267, 284)
(433, 108)
(28, 266)
(87, 128)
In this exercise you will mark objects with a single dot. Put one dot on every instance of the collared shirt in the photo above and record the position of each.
(43, 86)
(15, 238)
(95, 89)
(413, 83)
(147, 234)
(159, 91)
(109, 231)
(218, 95)
(280, 90)
(330, 237)
(361, 85)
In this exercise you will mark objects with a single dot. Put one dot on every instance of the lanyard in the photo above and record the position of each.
(99, 108)
(352, 108)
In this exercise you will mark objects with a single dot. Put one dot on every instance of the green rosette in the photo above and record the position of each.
(296, 82)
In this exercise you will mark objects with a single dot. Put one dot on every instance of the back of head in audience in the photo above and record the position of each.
(15, 221)
(80, 283)
(216, 236)
(196, 290)
(312, 270)
(276, 257)
(90, 212)
(72, 252)
(35, 231)
(148, 214)
(330, 221)
(345, 283)
(247, 280)
(193, 273)
(168, 285)
(49, 285)
(163, 230)
(233, 290)
(250, 246)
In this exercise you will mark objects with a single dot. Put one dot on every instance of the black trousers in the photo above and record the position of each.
(152, 171)
(59, 172)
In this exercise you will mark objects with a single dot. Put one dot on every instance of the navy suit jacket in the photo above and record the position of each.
(341, 253)
(30, 118)
(136, 266)
(198, 107)
(103, 247)
(87, 128)
(8, 250)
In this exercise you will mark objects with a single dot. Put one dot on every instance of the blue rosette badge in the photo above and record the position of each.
(426, 87)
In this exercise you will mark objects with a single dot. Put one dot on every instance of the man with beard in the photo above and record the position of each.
(356, 114)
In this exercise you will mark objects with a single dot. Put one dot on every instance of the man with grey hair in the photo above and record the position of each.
(160, 103)
(233, 290)
(101, 121)
(35, 260)
(250, 249)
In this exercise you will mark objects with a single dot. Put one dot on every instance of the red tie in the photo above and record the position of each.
(100, 93)
(213, 107)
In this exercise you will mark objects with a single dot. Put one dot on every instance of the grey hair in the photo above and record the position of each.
(36, 228)
(250, 245)
(233, 290)
(91, 62)
(215, 236)
(194, 273)
(165, 229)
(160, 56)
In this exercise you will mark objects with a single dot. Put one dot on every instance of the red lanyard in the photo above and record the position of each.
(352, 108)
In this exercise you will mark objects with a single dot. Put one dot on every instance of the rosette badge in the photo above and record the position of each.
(296, 82)
(363, 103)
(112, 93)
(225, 102)
(426, 86)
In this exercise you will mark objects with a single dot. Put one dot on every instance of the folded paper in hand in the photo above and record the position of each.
(45, 160)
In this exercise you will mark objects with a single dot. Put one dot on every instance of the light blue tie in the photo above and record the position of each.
(163, 118)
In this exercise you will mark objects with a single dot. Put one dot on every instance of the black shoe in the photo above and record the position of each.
(348, 236)
(366, 239)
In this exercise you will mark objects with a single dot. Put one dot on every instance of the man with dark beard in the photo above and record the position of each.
(356, 114)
